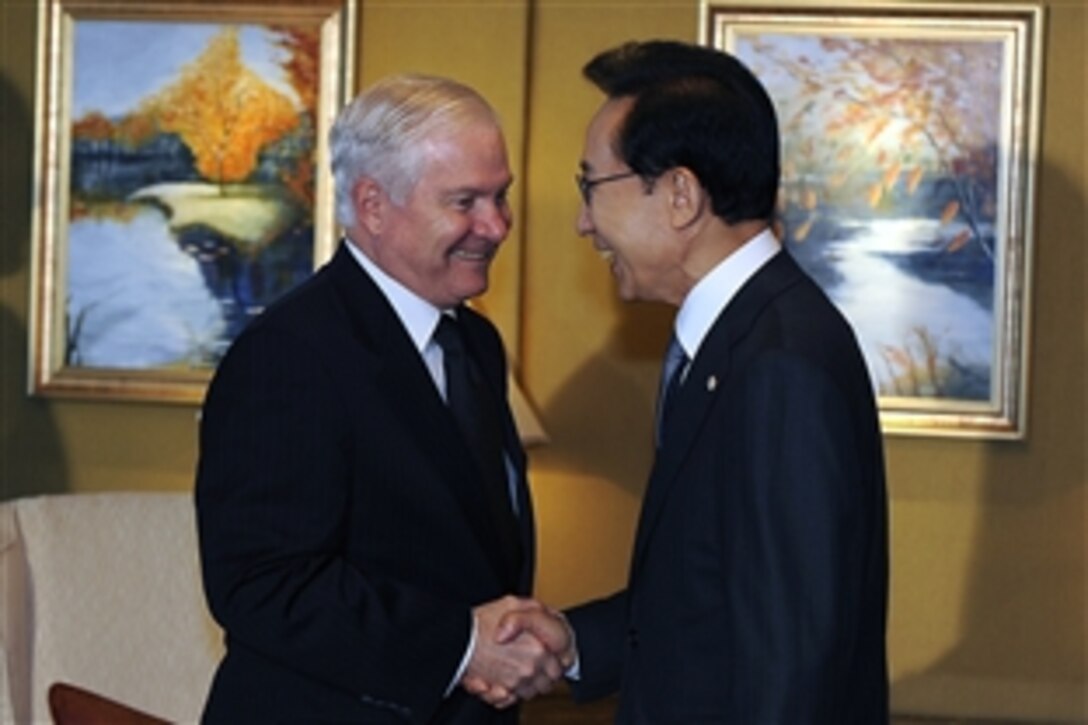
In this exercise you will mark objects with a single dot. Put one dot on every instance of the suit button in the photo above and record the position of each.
(632, 638)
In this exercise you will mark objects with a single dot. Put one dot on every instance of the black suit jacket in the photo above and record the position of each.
(343, 532)
(758, 585)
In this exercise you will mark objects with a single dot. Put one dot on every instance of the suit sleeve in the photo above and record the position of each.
(600, 629)
(274, 487)
(794, 543)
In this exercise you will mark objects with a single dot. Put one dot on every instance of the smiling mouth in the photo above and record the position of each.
(468, 255)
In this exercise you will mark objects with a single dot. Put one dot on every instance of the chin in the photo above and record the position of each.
(624, 289)
(469, 284)
(474, 292)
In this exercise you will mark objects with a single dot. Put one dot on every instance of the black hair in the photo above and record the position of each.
(698, 108)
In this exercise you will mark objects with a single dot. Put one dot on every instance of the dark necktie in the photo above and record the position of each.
(671, 375)
(476, 411)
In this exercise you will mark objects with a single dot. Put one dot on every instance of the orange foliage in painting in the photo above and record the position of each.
(914, 178)
(958, 241)
(223, 111)
(869, 118)
(801, 233)
(951, 209)
(809, 199)
(93, 127)
(875, 194)
(132, 131)
(136, 129)
(891, 174)
(303, 46)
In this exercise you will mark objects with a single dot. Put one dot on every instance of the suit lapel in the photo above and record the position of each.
(491, 358)
(403, 380)
(705, 380)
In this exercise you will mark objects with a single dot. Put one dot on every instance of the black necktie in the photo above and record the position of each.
(477, 414)
(672, 373)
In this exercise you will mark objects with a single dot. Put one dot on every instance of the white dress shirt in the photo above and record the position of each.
(706, 300)
(420, 318)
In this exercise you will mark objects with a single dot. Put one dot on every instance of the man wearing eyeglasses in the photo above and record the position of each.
(758, 585)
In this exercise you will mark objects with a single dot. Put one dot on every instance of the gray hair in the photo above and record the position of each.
(378, 134)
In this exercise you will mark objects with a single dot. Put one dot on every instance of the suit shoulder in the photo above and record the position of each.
(311, 311)
(790, 313)
(302, 320)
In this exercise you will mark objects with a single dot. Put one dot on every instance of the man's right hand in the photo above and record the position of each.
(522, 649)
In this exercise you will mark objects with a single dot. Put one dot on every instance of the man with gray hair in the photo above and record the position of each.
(362, 506)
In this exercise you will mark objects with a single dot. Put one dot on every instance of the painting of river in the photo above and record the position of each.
(890, 155)
(909, 142)
(925, 324)
(191, 186)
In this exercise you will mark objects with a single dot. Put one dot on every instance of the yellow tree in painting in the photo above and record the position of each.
(223, 111)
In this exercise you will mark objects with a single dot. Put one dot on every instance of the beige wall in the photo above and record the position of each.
(989, 550)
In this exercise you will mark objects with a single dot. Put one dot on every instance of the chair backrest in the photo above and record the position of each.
(103, 591)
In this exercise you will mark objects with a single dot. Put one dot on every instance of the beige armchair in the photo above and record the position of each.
(103, 591)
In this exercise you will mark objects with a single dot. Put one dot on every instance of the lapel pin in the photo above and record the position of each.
(712, 383)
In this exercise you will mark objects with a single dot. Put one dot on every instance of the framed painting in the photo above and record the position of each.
(181, 182)
(909, 145)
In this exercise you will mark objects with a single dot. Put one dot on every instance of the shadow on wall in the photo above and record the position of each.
(1022, 652)
(601, 420)
(32, 459)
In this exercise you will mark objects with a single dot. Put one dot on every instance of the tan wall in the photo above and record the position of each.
(989, 548)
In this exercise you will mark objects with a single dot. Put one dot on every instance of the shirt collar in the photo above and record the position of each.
(418, 316)
(706, 300)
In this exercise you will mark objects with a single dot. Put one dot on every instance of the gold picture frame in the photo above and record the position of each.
(909, 151)
(181, 182)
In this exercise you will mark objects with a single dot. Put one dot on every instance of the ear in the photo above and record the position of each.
(370, 203)
(686, 197)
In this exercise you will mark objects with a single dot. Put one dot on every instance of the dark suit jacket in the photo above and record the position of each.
(758, 585)
(343, 533)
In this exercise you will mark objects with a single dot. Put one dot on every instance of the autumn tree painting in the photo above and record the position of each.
(210, 170)
(883, 115)
(223, 111)
(890, 151)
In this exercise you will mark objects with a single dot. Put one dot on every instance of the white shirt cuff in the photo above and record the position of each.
(465, 659)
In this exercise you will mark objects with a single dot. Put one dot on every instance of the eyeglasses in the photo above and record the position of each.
(585, 184)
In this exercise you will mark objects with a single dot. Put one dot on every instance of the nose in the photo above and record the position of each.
(584, 223)
(493, 222)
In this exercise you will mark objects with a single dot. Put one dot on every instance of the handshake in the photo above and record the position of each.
(522, 649)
